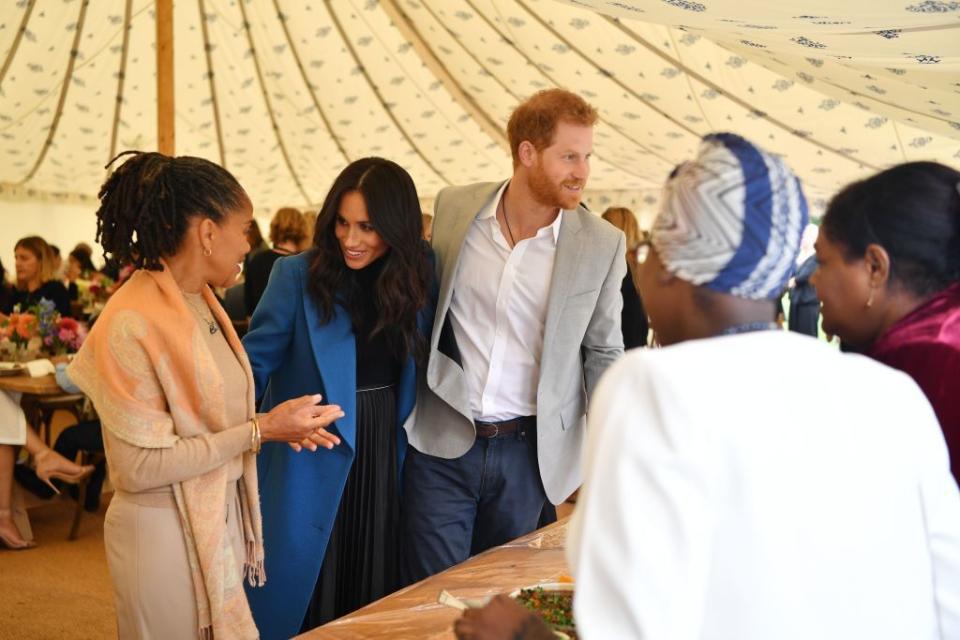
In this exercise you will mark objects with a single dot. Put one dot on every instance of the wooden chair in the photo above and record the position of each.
(44, 407)
(86, 457)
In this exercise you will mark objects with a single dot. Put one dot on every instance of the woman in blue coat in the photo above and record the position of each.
(346, 319)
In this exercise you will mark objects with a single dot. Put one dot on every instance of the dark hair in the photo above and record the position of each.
(401, 288)
(81, 256)
(254, 236)
(55, 250)
(147, 202)
(913, 212)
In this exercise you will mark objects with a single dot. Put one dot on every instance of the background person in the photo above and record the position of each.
(633, 318)
(36, 278)
(287, 232)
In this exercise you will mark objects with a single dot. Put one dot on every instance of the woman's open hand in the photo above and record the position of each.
(301, 422)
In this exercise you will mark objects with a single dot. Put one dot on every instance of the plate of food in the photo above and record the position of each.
(552, 601)
(12, 369)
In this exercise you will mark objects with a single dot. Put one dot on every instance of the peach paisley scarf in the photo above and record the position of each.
(153, 381)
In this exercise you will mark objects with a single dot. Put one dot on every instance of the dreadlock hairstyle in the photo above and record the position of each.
(147, 202)
(401, 288)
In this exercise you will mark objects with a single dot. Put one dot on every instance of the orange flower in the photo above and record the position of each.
(24, 325)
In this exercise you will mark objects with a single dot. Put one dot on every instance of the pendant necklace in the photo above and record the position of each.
(210, 322)
(503, 207)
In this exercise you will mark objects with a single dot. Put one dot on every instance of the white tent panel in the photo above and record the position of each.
(285, 93)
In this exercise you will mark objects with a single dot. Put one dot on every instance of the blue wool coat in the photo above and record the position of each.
(292, 354)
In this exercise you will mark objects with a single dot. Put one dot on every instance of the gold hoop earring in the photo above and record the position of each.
(207, 252)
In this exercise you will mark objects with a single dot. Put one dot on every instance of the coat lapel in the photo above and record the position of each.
(566, 266)
(463, 213)
(335, 352)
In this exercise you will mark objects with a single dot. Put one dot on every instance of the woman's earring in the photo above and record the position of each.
(870, 299)
(207, 252)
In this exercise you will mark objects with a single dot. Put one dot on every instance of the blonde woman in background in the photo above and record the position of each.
(288, 232)
(36, 277)
(634, 321)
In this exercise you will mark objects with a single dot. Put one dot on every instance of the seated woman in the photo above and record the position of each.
(6, 291)
(48, 465)
(889, 279)
(174, 391)
(36, 277)
(345, 319)
(79, 266)
(84, 436)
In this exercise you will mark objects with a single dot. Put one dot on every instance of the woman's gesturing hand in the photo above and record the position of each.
(301, 422)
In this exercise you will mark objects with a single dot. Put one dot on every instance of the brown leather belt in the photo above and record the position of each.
(504, 427)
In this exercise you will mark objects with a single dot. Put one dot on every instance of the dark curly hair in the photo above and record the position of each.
(147, 202)
(401, 288)
(912, 210)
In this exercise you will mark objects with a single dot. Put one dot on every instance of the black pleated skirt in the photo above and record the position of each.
(362, 558)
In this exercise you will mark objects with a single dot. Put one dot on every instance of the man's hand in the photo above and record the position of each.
(502, 619)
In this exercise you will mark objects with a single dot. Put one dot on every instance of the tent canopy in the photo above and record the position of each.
(285, 94)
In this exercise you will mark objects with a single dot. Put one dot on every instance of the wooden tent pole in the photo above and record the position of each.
(165, 102)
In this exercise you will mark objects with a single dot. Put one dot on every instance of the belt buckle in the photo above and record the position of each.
(496, 431)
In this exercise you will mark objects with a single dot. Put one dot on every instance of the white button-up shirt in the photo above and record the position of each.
(498, 313)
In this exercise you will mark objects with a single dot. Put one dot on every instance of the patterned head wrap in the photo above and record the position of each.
(731, 220)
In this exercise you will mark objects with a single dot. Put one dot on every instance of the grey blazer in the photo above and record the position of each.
(582, 338)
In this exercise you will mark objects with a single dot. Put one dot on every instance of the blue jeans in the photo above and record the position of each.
(453, 509)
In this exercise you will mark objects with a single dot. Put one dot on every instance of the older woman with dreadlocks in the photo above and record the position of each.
(174, 390)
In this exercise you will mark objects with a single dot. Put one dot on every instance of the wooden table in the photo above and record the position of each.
(42, 386)
(413, 613)
(41, 397)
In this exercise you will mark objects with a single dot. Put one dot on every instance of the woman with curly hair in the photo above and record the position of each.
(345, 319)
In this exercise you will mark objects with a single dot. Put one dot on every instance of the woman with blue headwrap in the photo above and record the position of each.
(703, 517)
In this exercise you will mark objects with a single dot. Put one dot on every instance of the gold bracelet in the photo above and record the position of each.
(255, 440)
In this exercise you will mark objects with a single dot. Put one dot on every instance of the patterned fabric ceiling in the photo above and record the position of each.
(285, 93)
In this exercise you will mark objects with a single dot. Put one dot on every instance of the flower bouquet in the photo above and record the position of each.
(19, 341)
(94, 291)
(59, 335)
(40, 329)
